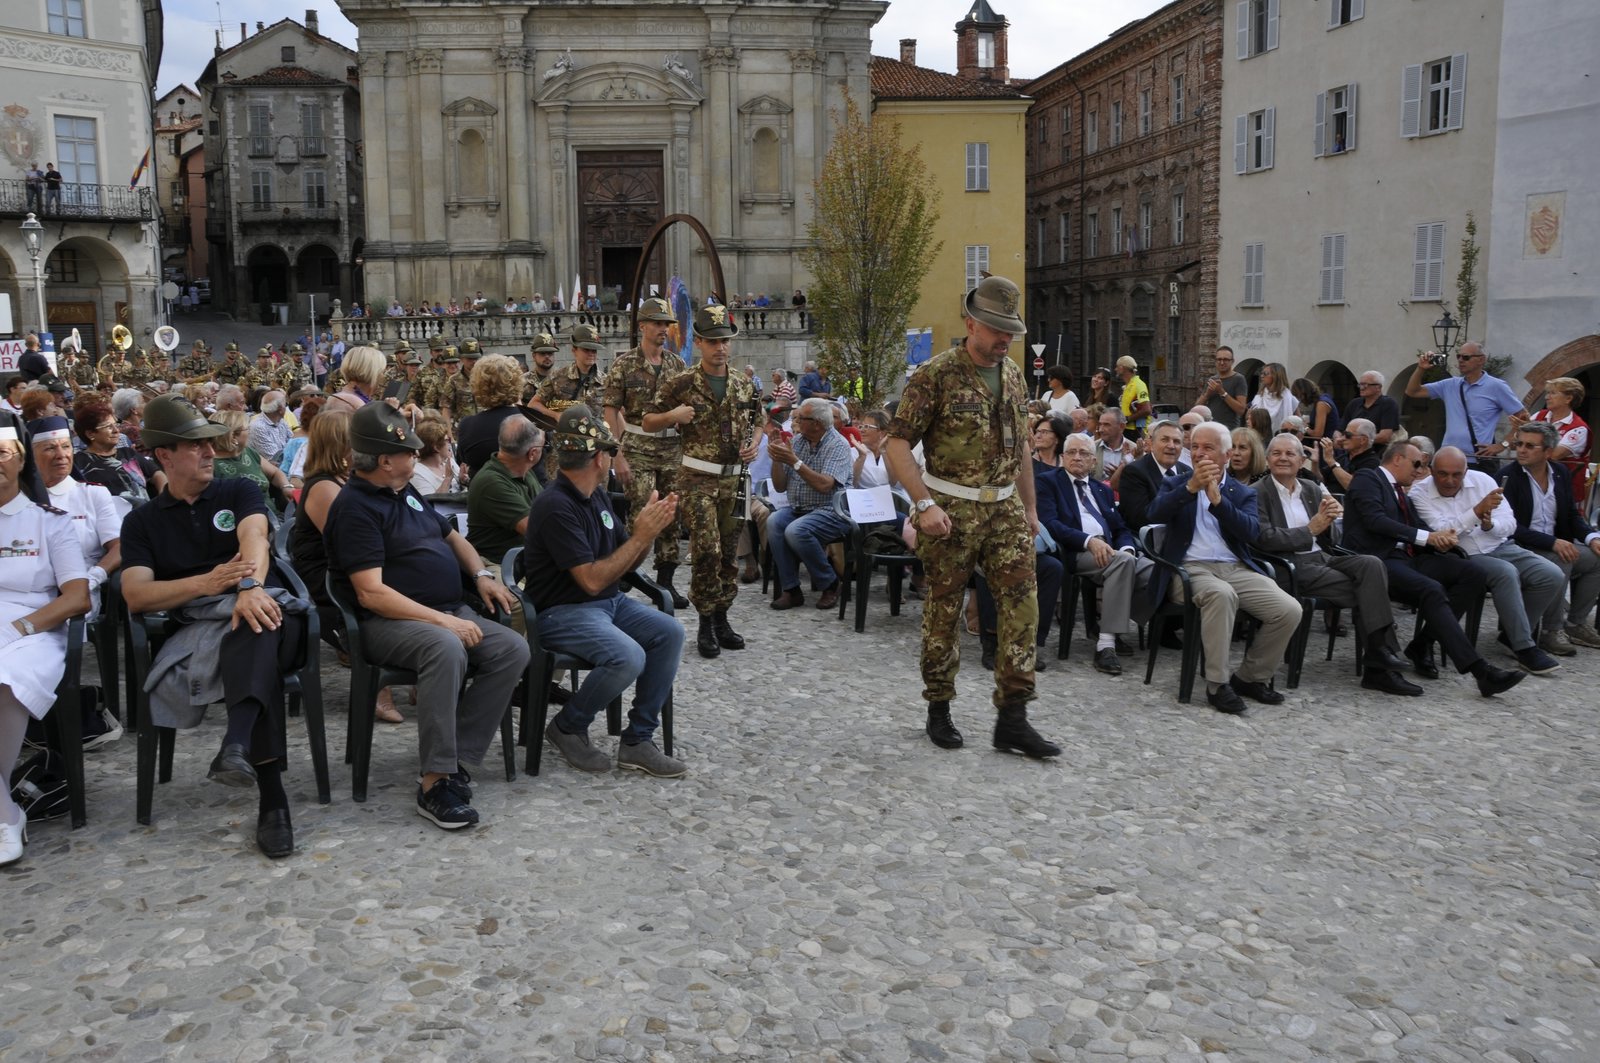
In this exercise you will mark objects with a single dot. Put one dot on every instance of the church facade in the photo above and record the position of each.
(508, 150)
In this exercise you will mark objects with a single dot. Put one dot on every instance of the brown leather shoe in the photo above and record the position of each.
(829, 598)
(789, 599)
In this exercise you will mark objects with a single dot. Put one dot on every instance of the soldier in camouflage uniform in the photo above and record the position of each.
(295, 373)
(195, 367)
(974, 510)
(427, 390)
(140, 373)
(114, 369)
(542, 356)
(647, 462)
(233, 368)
(715, 413)
(79, 373)
(265, 373)
(462, 404)
(397, 362)
(578, 382)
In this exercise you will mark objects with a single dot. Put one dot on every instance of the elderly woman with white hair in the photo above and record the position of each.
(42, 586)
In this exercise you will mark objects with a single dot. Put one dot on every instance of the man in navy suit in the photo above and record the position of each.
(1143, 478)
(1550, 524)
(1211, 520)
(1378, 520)
(1081, 515)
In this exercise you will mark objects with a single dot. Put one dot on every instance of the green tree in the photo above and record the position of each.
(871, 244)
(1467, 276)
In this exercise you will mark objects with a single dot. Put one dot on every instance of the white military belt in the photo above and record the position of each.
(971, 494)
(711, 467)
(665, 433)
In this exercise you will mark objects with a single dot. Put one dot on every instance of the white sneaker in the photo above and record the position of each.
(13, 836)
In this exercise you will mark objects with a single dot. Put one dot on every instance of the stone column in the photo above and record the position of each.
(721, 112)
(375, 146)
(513, 64)
(563, 249)
(427, 66)
(805, 156)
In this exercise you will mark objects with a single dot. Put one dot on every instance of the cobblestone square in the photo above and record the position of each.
(1338, 878)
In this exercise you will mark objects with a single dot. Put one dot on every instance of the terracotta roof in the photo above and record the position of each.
(288, 75)
(894, 80)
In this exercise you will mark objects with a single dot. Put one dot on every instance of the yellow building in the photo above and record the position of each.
(971, 129)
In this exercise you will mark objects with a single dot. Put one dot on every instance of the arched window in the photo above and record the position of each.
(766, 162)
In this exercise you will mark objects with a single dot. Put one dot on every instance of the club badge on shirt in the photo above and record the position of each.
(224, 520)
(605, 518)
(411, 500)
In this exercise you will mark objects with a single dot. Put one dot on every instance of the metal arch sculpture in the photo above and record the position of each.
(650, 243)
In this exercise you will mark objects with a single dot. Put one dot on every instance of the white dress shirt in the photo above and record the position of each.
(1208, 543)
(1089, 521)
(1294, 508)
(1455, 513)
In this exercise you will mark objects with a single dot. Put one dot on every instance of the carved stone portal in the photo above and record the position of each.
(620, 198)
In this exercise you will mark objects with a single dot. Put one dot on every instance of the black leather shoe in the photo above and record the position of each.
(990, 645)
(1223, 699)
(1013, 734)
(1106, 661)
(275, 834)
(941, 728)
(1389, 681)
(1041, 659)
(1492, 680)
(664, 578)
(1382, 657)
(1421, 658)
(1261, 692)
(727, 638)
(706, 640)
(789, 599)
(232, 767)
(1123, 649)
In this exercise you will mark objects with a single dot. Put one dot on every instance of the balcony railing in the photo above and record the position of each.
(76, 202)
(313, 146)
(288, 210)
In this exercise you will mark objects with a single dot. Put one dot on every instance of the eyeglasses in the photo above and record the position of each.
(112, 425)
(1419, 464)
(1367, 384)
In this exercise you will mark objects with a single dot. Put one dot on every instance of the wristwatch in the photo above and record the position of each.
(482, 572)
(925, 504)
(249, 583)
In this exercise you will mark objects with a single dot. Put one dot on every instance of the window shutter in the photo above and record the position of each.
(1241, 143)
(1319, 130)
(1411, 101)
(1350, 117)
(1419, 263)
(1357, 9)
(1272, 25)
(1267, 123)
(1244, 29)
(1436, 258)
(1325, 293)
(1333, 14)
(1458, 90)
(1338, 268)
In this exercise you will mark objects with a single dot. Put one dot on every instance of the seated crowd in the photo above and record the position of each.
(1259, 510)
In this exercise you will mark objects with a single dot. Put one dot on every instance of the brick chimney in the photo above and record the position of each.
(908, 50)
(981, 48)
(311, 21)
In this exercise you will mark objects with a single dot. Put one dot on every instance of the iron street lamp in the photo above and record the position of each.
(1445, 334)
(33, 234)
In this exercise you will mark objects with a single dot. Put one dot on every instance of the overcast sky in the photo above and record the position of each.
(1043, 32)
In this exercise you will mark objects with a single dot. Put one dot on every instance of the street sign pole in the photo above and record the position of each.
(1038, 369)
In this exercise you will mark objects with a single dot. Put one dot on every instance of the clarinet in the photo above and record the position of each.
(741, 506)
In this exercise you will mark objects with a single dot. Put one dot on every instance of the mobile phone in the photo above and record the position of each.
(398, 390)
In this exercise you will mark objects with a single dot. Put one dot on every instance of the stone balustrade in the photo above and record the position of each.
(502, 330)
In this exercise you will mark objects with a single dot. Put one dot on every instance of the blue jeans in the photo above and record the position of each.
(623, 640)
(793, 539)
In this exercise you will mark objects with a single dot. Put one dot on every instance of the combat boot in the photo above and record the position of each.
(706, 641)
(664, 577)
(941, 728)
(1013, 734)
(990, 644)
(727, 638)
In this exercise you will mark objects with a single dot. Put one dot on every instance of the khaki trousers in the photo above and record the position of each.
(1221, 590)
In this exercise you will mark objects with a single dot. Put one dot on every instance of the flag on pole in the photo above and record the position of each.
(561, 298)
(577, 292)
(138, 172)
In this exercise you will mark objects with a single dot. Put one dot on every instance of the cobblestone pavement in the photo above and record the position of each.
(1338, 878)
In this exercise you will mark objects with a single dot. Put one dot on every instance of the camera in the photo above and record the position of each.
(1436, 359)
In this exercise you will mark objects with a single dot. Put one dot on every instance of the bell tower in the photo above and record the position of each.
(981, 50)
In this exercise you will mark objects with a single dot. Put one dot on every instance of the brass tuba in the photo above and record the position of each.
(121, 339)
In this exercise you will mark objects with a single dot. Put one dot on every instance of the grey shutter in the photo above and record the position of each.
(1325, 290)
(1357, 9)
(1411, 101)
(1350, 117)
(1333, 15)
(1241, 143)
(1419, 263)
(1243, 34)
(1272, 25)
(1319, 130)
(1458, 90)
(1268, 122)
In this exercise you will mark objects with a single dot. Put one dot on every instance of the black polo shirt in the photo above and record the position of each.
(176, 540)
(398, 531)
(566, 530)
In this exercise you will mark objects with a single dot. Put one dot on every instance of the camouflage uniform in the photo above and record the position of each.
(706, 500)
(291, 377)
(232, 371)
(462, 404)
(950, 409)
(82, 375)
(567, 386)
(631, 388)
(138, 373)
(194, 366)
(114, 369)
(532, 381)
(260, 377)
